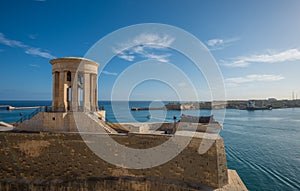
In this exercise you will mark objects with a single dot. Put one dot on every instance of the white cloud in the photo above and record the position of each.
(143, 45)
(214, 42)
(38, 52)
(235, 63)
(270, 57)
(181, 84)
(218, 44)
(126, 56)
(160, 58)
(153, 40)
(234, 82)
(34, 65)
(32, 36)
(27, 49)
(109, 73)
(11, 43)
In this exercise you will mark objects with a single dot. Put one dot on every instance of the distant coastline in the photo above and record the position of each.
(181, 105)
(241, 104)
(231, 104)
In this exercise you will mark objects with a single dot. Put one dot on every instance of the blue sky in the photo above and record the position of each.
(256, 44)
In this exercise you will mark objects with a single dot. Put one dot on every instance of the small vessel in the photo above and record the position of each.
(251, 107)
(197, 119)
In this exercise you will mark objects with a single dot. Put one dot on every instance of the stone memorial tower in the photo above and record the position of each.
(75, 96)
(74, 84)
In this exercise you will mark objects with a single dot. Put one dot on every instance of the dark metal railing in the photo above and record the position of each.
(31, 115)
(54, 110)
(72, 108)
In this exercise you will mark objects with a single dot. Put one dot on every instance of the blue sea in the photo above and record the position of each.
(262, 146)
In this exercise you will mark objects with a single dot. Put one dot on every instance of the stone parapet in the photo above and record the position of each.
(57, 159)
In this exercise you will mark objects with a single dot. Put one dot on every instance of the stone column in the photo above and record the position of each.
(94, 105)
(75, 97)
(55, 92)
(62, 93)
(91, 92)
(86, 92)
(95, 93)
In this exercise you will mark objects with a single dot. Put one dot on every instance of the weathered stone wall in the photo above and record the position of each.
(34, 123)
(100, 184)
(64, 162)
(184, 126)
(45, 121)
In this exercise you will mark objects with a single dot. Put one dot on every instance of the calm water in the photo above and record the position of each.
(263, 146)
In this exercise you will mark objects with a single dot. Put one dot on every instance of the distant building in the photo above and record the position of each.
(251, 104)
(272, 99)
(173, 106)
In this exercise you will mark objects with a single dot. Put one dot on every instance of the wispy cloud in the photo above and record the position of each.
(127, 57)
(144, 45)
(219, 44)
(32, 36)
(27, 49)
(160, 58)
(38, 52)
(109, 73)
(233, 82)
(11, 43)
(34, 65)
(269, 57)
(182, 84)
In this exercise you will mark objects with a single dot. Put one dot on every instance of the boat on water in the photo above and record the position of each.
(251, 107)
(259, 108)
(197, 119)
(145, 108)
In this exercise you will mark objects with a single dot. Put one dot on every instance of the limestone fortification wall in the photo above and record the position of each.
(185, 126)
(58, 161)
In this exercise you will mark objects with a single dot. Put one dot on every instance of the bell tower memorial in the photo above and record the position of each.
(74, 96)
(74, 84)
